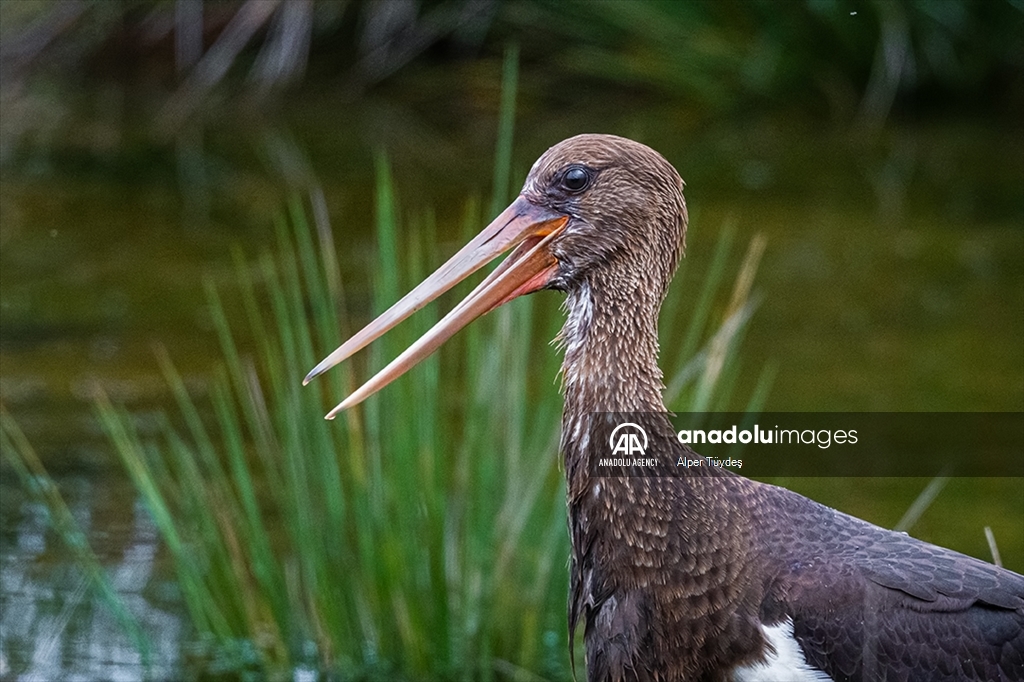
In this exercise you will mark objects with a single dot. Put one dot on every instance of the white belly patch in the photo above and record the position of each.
(786, 664)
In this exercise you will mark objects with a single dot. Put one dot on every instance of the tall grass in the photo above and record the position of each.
(421, 536)
(385, 543)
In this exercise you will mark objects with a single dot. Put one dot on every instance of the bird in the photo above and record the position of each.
(704, 576)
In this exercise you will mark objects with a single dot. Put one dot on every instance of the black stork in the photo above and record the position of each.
(699, 577)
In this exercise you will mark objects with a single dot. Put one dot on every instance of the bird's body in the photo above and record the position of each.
(694, 586)
(703, 576)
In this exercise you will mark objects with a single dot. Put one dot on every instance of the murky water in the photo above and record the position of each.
(52, 626)
(893, 280)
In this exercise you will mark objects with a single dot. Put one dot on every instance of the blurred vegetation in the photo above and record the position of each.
(847, 57)
(849, 60)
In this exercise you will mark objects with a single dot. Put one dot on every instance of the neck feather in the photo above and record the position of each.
(611, 349)
(610, 339)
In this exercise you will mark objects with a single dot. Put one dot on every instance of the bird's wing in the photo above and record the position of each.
(872, 604)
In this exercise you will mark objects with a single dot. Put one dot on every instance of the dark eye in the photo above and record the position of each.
(576, 179)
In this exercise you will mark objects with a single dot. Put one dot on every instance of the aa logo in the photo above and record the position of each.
(628, 440)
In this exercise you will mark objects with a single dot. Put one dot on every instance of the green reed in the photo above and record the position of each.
(421, 535)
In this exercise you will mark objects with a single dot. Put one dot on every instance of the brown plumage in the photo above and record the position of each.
(702, 576)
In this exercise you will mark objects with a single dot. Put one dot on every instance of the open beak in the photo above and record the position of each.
(523, 225)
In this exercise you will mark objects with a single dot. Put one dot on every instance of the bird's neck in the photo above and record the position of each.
(611, 348)
(622, 526)
(610, 339)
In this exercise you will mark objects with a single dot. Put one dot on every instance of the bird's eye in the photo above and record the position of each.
(576, 179)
